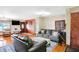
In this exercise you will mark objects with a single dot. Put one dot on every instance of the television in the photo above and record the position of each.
(15, 22)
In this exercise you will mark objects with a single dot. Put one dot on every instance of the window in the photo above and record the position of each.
(60, 25)
(4, 26)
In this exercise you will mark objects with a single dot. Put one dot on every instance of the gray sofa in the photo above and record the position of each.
(21, 46)
(53, 35)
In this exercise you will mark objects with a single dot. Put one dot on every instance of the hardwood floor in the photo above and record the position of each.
(58, 48)
(8, 40)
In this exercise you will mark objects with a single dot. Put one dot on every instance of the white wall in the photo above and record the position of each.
(49, 22)
(37, 28)
(68, 21)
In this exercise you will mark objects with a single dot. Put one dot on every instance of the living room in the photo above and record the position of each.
(39, 29)
(45, 26)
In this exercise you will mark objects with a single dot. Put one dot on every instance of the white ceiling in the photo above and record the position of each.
(29, 11)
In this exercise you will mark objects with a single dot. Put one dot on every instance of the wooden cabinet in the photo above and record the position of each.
(75, 30)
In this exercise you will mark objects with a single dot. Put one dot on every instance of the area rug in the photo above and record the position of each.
(7, 48)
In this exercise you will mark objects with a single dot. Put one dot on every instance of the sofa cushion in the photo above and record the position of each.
(54, 37)
(39, 47)
(47, 32)
(55, 33)
(46, 36)
(39, 35)
(42, 31)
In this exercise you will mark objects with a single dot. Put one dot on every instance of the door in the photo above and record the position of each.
(75, 30)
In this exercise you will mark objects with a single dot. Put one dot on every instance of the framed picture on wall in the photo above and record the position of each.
(60, 25)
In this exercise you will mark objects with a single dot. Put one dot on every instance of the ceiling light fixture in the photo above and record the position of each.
(43, 13)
